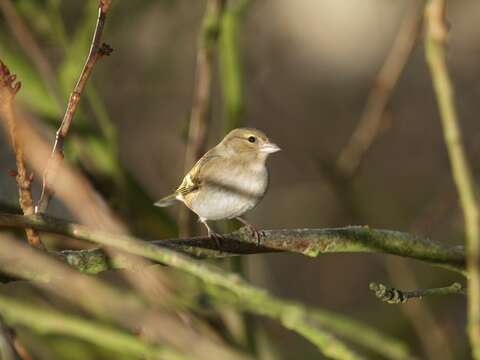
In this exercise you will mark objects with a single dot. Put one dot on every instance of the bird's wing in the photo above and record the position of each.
(192, 181)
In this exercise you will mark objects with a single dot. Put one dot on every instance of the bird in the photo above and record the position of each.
(227, 181)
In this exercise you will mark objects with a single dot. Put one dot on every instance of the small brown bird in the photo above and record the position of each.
(228, 180)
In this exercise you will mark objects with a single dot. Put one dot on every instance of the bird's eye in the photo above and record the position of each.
(252, 139)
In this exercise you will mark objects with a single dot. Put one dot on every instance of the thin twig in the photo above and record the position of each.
(436, 34)
(371, 121)
(8, 89)
(395, 296)
(197, 132)
(97, 51)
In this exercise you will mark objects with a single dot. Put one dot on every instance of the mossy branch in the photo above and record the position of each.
(395, 296)
(310, 242)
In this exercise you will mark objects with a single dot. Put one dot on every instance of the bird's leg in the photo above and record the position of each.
(212, 234)
(253, 229)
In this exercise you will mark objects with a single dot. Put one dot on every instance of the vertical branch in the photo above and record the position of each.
(436, 34)
(197, 132)
(8, 89)
(97, 51)
(371, 121)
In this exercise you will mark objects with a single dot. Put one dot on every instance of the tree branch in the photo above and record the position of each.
(8, 89)
(435, 52)
(395, 296)
(310, 242)
(370, 123)
(96, 52)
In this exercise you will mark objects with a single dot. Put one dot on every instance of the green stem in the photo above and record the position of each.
(436, 33)
(231, 70)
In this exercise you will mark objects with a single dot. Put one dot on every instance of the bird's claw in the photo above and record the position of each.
(218, 238)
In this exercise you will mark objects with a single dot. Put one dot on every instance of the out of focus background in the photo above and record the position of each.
(306, 73)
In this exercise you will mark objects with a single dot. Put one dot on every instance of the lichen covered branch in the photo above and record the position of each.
(97, 51)
(310, 242)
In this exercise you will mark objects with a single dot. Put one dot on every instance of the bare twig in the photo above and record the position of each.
(436, 34)
(395, 296)
(8, 89)
(97, 51)
(197, 132)
(371, 122)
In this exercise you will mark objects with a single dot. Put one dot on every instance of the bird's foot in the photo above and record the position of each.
(218, 238)
(255, 233)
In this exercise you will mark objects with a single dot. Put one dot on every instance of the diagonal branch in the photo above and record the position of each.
(8, 89)
(371, 121)
(97, 51)
(395, 296)
(435, 52)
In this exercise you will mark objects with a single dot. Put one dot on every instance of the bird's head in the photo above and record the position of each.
(249, 142)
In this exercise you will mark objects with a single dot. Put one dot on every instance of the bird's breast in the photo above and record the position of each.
(229, 192)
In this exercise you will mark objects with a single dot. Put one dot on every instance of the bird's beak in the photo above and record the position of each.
(269, 148)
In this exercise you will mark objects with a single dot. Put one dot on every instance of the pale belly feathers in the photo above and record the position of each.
(231, 195)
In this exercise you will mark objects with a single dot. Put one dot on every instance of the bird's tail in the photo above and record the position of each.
(167, 200)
